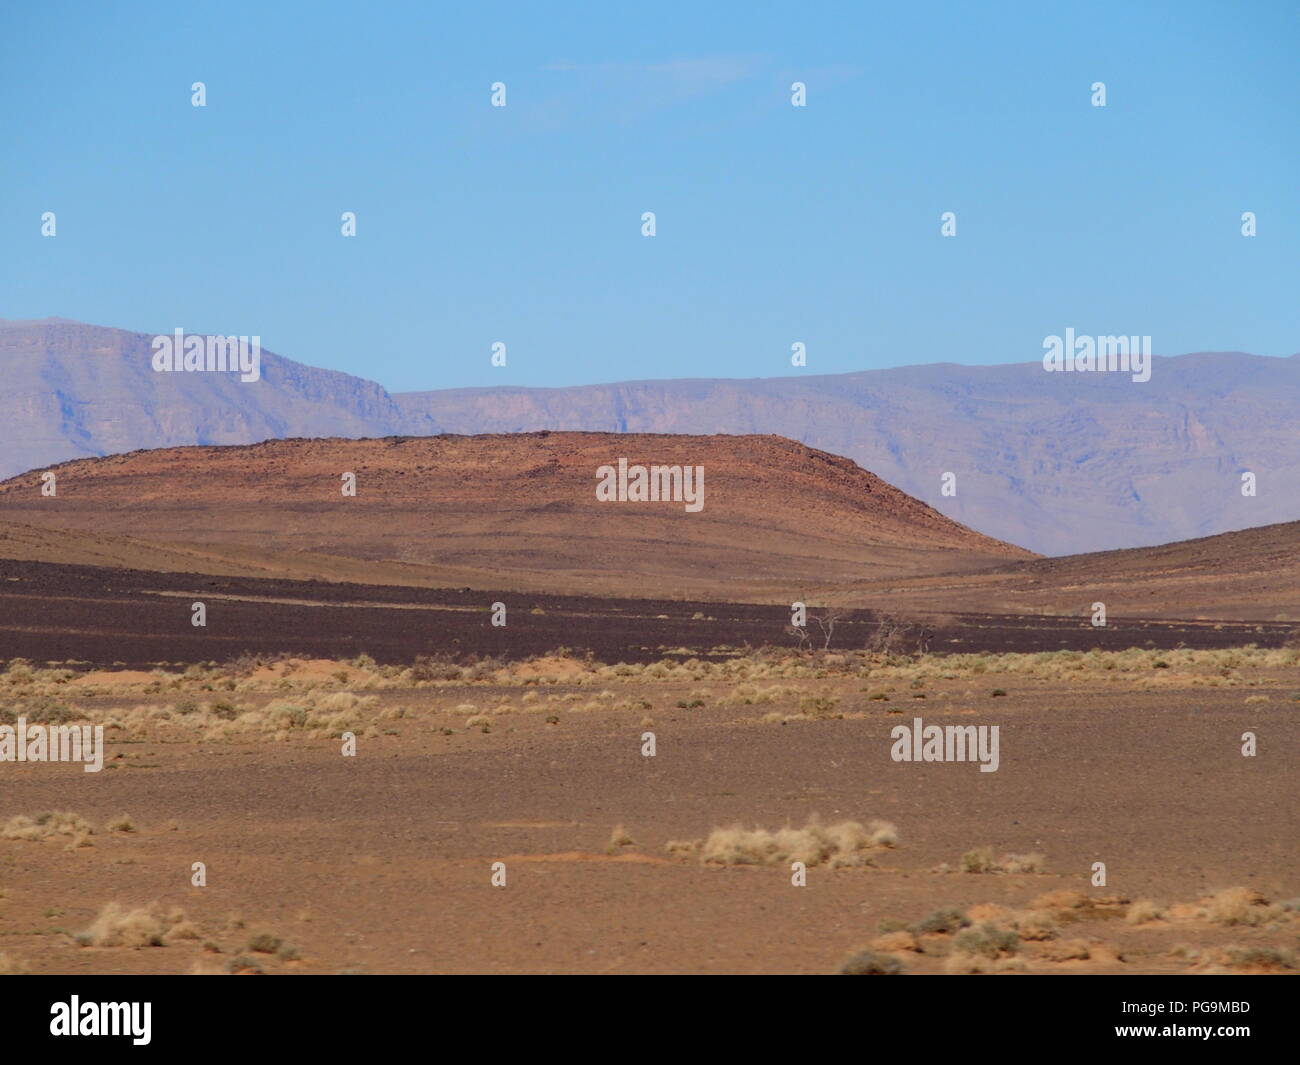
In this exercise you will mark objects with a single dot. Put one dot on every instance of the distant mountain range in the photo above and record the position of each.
(1055, 462)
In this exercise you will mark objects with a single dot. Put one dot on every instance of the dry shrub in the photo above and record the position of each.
(1143, 911)
(942, 922)
(618, 838)
(265, 943)
(1035, 924)
(982, 860)
(871, 963)
(46, 825)
(1240, 906)
(986, 940)
(146, 926)
(842, 844)
(979, 860)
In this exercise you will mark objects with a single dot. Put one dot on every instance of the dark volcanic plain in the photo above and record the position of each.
(105, 617)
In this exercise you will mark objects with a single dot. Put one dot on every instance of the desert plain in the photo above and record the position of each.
(585, 741)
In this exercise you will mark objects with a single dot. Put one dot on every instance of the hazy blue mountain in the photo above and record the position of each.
(74, 390)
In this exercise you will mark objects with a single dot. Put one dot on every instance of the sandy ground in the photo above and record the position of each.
(382, 862)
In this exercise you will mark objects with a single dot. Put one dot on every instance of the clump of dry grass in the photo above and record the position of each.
(1144, 911)
(942, 922)
(48, 825)
(979, 860)
(960, 963)
(269, 943)
(982, 860)
(618, 838)
(986, 940)
(1035, 924)
(145, 926)
(847, 843)
(1240, 906)
(121, 823)
(871, 963)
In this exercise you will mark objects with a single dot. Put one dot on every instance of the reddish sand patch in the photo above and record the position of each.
(114, 678)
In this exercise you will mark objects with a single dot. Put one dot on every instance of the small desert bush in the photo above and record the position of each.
(46, 825)
(986, 940)
(1240, 906)
(146, 926)
(845, 843)
(979, 860)
(982, 860)
(265, 943)
(618, 838)
(871, 963)
(1035, 924)
(1144, 911)
(943, 922)
(819, 705)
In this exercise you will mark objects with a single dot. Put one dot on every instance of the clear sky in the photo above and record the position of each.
(775, 224)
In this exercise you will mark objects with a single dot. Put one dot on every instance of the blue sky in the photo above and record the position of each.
(775, 224)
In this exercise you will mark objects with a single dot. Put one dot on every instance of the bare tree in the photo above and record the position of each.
(800, 633)
(826, 621)
(888, 632)
(897, 633)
